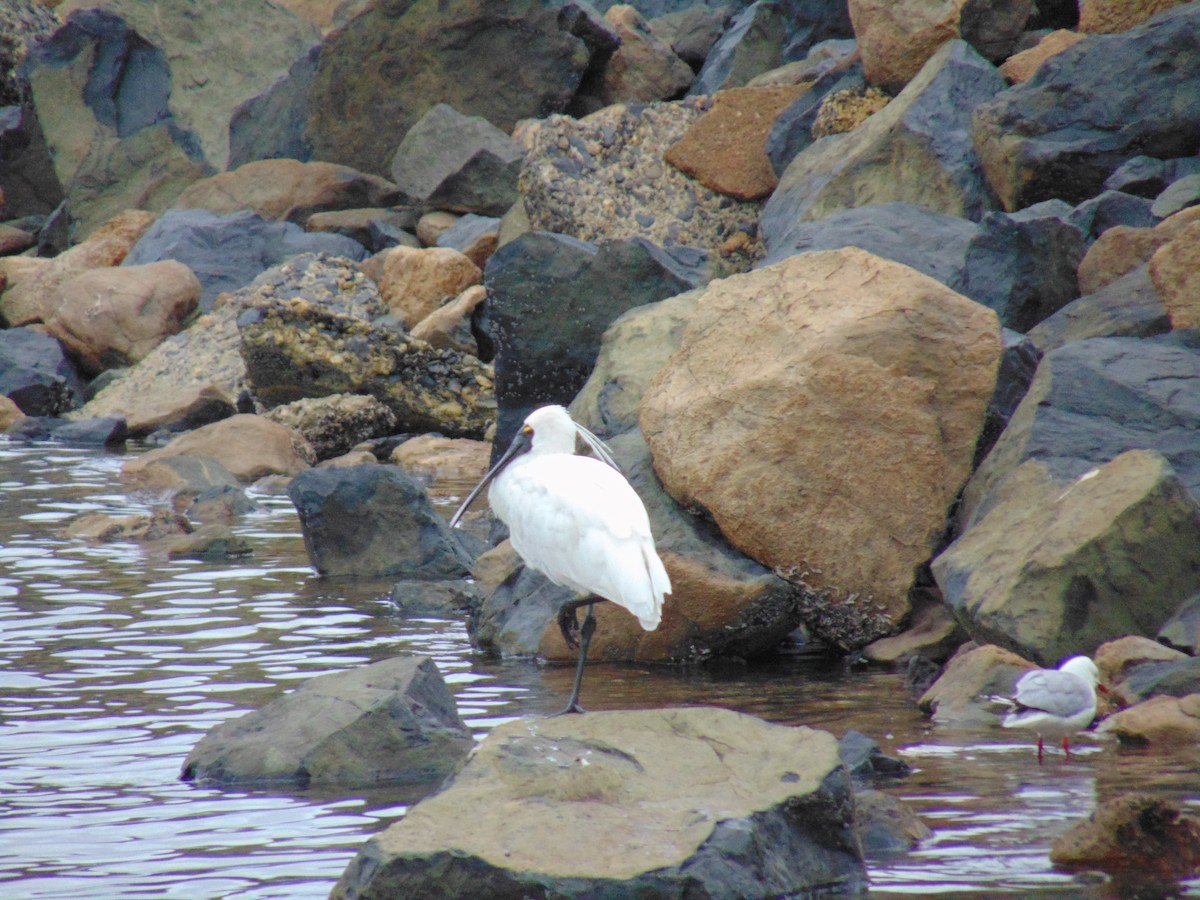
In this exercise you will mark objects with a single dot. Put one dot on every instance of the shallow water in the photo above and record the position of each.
(114, 662)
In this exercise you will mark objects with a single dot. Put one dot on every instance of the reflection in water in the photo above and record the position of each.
(113, 663)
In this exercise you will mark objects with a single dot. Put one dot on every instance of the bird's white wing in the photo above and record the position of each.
(580, 523)
(1057, 693)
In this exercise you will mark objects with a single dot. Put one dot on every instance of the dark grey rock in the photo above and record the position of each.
(229, 252)
(439, 599)
(221, 503)
(374, 520)
(886, 825)
(550, 297)
(99, 432)
(916, 149)
(1176, 678)
(1023, 265)
(271, 125)
(36, 374)
(1127, 307)
(389, 722)
(1063, 132)
(1018, 364)
(1092, 400)
(929, 242)
(27, 178)
(866, 762)
(1145, 176)
(465, 164)
(469, 229)
(767, 34)
(1095, 216)
(792, 131)
(1182, 630)
(358, 114)
(692, 32)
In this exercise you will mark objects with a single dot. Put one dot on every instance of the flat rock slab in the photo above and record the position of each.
(698, 802)
(391, 721)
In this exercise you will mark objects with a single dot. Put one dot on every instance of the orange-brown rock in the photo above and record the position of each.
(112, 317)
(1109, 16)
(249, 446)
(415, 282)
(824, 410)
(449, 327)
(643, 68)
(285, 189)
(1021, 66)
(1175, 271)
(725, 148)
(1122, 248)
(1136, 836)
(1159, 721)
(33, 292)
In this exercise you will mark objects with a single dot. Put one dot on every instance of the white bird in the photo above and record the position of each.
(1055, 703)
(576, 520)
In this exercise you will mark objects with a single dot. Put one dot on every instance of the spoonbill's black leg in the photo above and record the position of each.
(566, 616)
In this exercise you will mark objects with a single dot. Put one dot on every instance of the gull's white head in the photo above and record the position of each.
(1082, 667)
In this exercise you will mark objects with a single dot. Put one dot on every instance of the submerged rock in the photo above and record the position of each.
(374, 520)
(391, 721)
(698, 802)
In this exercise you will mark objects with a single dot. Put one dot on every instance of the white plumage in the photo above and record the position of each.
(576, 520)
(1054, 703)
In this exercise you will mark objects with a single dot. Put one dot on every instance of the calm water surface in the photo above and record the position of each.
(114, 662)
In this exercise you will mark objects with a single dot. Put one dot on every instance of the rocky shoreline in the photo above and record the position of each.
(889, 316)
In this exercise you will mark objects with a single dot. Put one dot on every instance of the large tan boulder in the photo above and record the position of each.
(113, 317)
(33, 292)
(896, 38)
(250, 447)
(1175, 271)
(824, 411)
(1150, 837)
(288, 190)
(416, 282)
(653, 803)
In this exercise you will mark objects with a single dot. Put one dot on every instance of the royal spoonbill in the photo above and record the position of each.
(576, 520)
(1055, 703)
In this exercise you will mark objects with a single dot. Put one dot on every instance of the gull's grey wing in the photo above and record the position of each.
(1054, 692)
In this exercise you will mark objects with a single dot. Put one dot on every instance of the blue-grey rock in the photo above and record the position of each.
(373, 520)
(465, 164)
(929, 242)
(1092, 400)
(767, 34)
(468, 230)
(26, 171)
(271, 125)
(36, 375)
(1023, 265)
(228, 252)
(1063, 132)
(792, 131)
(98, 432)
(1177, 195)
(1146, 176)
(916, 150)
(1018, 364)
(550, 297)
(1127, 307)
(1182, 630)
(1095, 216)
